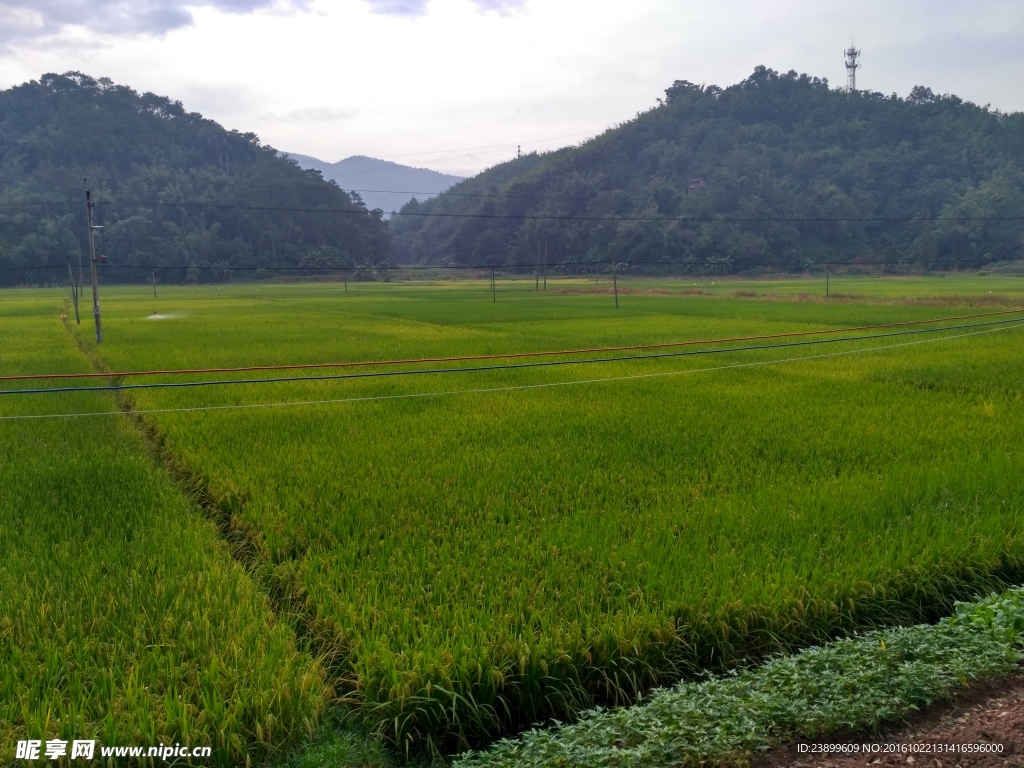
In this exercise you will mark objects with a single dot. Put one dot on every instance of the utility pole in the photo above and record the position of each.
(494, 291)
(89, 205)
(545, 265)
(74, 291)
(80, 290)
(536, 270)
(154, 283)
(99, 225)
(615, 284)
(826, 280)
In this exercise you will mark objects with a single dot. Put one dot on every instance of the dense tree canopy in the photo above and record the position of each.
(795, 172)
(179, 191)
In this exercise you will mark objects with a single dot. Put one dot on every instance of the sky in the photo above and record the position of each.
(459, 85)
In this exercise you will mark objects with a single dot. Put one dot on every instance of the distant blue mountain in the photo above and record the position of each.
(381, 183)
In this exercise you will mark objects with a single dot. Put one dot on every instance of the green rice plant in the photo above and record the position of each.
(469, 564)
(123, 617)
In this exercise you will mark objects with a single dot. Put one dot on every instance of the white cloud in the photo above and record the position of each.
(412, 80)
(398, 7)
(33, 18)
(419, 7)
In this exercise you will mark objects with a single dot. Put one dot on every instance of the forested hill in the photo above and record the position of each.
(180, 191)
(785, 169)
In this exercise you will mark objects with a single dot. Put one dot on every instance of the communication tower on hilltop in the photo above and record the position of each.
(852, 65)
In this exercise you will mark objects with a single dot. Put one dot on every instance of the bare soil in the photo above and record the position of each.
(982, 728)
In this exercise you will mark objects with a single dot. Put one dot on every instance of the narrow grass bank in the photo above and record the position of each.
(123, 617)
(854, 684)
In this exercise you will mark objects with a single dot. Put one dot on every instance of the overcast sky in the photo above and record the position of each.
(455, 85)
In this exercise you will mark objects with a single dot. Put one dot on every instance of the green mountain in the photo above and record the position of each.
(179, 192)
(381, 183)
(779, 168)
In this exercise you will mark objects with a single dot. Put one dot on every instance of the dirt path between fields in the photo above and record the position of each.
(983, 728)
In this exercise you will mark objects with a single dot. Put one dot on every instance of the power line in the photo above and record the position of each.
(503, 356)
(493, 146)
(443, 194)
(306, 189)
(488, 368)
(550, 217)
(491, 390)
(231, 182)
(584, 265)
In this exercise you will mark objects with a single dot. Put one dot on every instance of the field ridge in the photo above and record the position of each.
(243, 549)
(123, 617)
(240, 540)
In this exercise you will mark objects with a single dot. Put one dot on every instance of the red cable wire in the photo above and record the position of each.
(507, 355)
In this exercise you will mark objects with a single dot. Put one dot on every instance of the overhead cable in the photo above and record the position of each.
(500, 356)
(478, 369)
(494, 390)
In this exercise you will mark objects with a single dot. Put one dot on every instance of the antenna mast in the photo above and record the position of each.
(852, 65)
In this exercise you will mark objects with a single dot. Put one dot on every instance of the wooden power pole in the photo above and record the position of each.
(536, 269)
(74, 290)
(81, 291)
(89, 205)
(545, 264)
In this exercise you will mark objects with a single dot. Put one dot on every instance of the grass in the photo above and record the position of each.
(123, 617)
(470, 564)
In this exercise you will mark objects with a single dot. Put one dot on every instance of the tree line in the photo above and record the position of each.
(779, 168)
(173, 190)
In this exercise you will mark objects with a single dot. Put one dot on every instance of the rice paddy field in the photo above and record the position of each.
(123, 615)
(458, 549)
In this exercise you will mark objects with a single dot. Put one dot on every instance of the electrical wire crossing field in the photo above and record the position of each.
(571, 528)
(123, 618)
